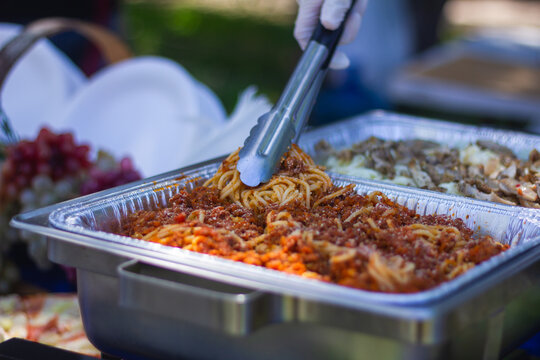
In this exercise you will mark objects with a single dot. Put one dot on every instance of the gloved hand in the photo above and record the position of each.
(331, 14)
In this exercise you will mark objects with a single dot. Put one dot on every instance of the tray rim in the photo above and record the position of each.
(378, 116)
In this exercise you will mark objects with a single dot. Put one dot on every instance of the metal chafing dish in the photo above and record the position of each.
(145, 300)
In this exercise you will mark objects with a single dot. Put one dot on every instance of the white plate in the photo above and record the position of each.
(143, 107)
(38, 86)
(233, 133)
(210, 106)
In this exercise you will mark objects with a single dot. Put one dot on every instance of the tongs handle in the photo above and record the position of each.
(330, 38)
(283, 124)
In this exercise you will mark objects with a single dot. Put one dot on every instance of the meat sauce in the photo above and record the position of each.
(349, 221)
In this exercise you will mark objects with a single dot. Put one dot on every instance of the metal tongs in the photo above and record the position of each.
(282, 125)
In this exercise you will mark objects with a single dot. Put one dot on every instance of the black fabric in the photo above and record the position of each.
(20, 349)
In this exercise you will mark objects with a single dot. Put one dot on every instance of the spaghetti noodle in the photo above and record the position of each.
(302, 224)
(298, 179)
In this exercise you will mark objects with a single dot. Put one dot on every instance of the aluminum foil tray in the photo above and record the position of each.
(99, 217)
(391, 126)
(145, 300)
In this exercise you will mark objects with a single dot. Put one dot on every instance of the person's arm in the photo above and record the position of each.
(331, 14)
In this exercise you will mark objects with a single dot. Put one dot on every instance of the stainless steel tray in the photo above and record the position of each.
(392, 126)
(141, 299)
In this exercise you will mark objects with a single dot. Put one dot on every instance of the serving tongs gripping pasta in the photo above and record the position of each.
(282, 125)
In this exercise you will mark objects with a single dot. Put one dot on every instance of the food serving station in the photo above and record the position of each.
(146, 300)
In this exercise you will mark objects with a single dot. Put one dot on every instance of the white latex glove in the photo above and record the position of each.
(331, 13)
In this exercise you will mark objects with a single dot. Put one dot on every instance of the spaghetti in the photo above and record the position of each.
(302, 224)
(298, 179)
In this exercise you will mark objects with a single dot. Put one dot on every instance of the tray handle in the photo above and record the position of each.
(222, 307)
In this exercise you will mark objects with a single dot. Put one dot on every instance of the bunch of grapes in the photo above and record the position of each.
(107, 173)
(52, 156)
(47, 170)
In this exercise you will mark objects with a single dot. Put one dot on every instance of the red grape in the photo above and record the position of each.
(101, 179)
(50, 154)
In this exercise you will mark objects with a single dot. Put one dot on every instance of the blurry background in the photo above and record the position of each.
(226, 44)
(229, 45)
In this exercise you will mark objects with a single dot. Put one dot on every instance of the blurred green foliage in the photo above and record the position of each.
(224, 51)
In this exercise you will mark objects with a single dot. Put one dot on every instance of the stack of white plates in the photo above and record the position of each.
(148, 108)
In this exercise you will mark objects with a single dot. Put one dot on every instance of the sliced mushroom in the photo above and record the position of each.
(496, 148)
(521, 190)
(345, 155)
(367, 145)
(475, 171)
(445, 156)
(323, 145)
(382, 156)
(384, 167)
(492, 183)
(534, 156)
(493, 168)
(471, 191)
(369, 162)
(529, 192)
(535, 167)
(435, 172)
(450, 176)
(484, 186)
(496, 198)
(419, 146)
(529, 204)
(510, 171)
(421, 178)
